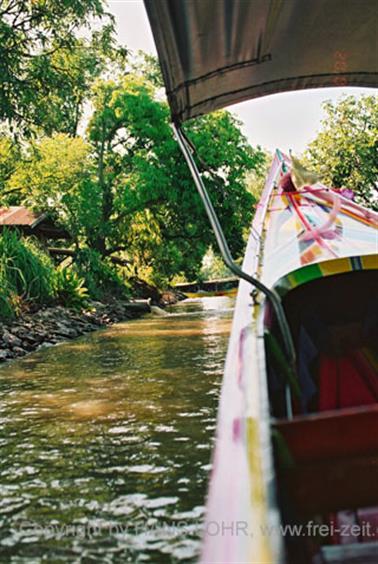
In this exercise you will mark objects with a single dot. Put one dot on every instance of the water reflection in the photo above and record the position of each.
(105, 442)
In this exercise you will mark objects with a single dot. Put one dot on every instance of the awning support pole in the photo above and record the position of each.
(271, 295)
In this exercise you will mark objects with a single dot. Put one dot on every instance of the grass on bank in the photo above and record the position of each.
(26, 274)
(29, 278)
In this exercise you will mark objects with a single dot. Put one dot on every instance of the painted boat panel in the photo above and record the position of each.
(243, 522)
(353, 235)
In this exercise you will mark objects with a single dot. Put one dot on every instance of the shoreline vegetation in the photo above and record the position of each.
(43, 303)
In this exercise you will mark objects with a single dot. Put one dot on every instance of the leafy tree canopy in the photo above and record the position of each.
(345, 151)
(149, 194)
(55, 176)
(45, 68)
(126, 189)
(10, 154)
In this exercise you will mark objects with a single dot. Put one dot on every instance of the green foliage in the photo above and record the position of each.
(26, 274)
(8, 307)
(213, 267)
(149, 205)
(69, 289)
(227, 159)
(56, 178)
(147, 66)
(100, 278)
(45, 69)
(125, 188)
(256, 178)
(10, 156)
(345, 151)
(85, 60)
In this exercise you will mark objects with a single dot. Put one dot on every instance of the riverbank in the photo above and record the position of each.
(51, 325)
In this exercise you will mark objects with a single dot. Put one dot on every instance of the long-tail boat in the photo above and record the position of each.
(295, 467)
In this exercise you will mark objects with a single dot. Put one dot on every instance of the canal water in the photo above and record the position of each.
(105, 442)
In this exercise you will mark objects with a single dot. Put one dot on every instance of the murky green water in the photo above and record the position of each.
(105, 442)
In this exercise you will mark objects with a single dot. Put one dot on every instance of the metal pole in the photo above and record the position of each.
(271, 295)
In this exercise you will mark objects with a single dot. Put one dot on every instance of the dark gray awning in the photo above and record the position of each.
(219, 52)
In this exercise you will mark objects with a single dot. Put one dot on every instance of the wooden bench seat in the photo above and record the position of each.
(335, 460)
(345, 432)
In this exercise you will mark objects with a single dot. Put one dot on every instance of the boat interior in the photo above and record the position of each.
(324, 424)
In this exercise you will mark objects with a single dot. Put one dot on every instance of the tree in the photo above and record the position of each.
(345, 151)
(44, 66)
(76, 68)
(10, 155)
(126, 191)
(56, 176)
(149, 200)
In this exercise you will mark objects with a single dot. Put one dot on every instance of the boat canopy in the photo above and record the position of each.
(217, 53)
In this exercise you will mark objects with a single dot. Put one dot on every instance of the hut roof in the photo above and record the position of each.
(31, 223)
(20, 216)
